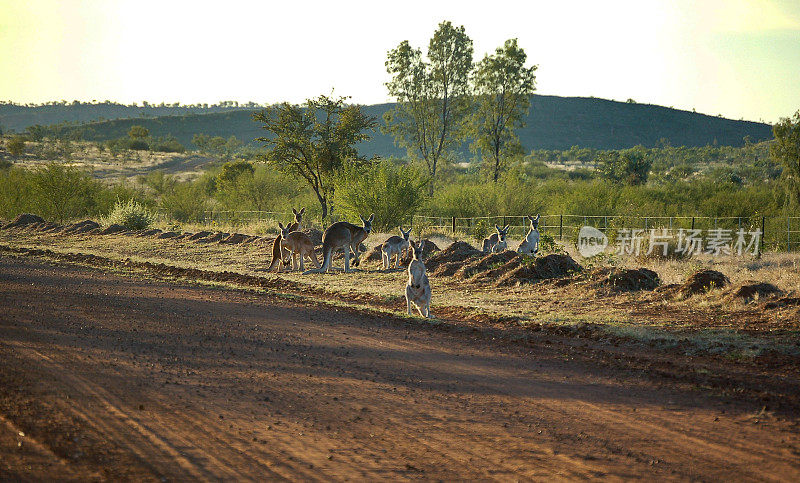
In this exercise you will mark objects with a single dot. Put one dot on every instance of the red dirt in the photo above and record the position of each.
(113, 377)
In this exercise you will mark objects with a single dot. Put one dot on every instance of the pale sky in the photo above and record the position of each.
(738, 58)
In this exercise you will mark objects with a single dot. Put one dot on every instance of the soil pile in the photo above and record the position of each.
(551, 266)
(448, 261)
(427, 250)
(199, 235)
(81, 227)
(315, 235)
(629, 280)
(111, 229)
(24, 219)
(753, 291)
(234, 239)
(703, 281)
(491, 261)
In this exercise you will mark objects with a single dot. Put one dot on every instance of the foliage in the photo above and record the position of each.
(233, 170)
(393, 193)
(630, 166)
(131, 214)
(170, 144)
(433, 101)
(217, 145)
(313, 142)
(503, 86)
(786, 150)
(138, 132)
(16, 146)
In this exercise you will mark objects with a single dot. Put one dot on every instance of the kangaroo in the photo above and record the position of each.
(394, 247)
(296, 243)
(496, 242)
(343, 235)
(418, 288)
(278, 252)
(530, 245)
(298, 218)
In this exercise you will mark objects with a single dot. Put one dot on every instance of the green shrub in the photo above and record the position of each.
(393, 193)
(16, 145)
(131, 215)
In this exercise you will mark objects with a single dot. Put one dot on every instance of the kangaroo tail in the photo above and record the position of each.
(327, 254)
(276, 251)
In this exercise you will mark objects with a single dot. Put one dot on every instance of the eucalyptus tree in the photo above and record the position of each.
(433, 95)
(502, 88)
(786, 150)
(313, 141)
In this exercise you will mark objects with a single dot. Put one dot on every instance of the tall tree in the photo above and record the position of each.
(503, 86)
(313, 141)
(432, 97)
(786, 150)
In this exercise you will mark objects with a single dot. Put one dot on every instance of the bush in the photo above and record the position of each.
(130, 214)
(393, 193)
(16, 145)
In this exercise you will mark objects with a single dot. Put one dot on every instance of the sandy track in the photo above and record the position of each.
(116, 377)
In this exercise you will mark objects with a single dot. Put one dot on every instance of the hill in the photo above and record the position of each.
(553, 123)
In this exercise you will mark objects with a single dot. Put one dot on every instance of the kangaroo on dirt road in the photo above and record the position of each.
(297, 244)
(343, 235)
(394, 246)
(418, 288)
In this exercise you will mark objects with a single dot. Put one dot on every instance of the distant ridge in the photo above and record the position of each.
(553, 123)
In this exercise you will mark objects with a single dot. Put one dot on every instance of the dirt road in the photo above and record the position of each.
(112, 376)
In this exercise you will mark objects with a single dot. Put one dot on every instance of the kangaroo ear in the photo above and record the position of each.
(362, 219)
(280, 225)
(537, 216)
(421, 244)
(294, 211)
(497, 228)
(302, 210)
(506, 228)
(371, 217)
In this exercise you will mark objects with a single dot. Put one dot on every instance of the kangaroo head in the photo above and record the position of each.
(284, 229)
(418, 247)
(405, 234)
(534, 222)
(502, 232)
(367, 222)
(298, 215)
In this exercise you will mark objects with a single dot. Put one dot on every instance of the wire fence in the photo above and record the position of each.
(781, 233)
(778, 233)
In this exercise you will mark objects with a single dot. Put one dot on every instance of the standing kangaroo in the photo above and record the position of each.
(530, 245)
(418, 288)
(299, 244)
(280, 253)
(497, 242)
(394, 247)
(343, 235)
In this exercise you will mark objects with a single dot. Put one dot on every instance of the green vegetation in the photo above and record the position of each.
(16, 146)
(503, 86)
(786, 150)
(130, 214)
(57, 192)
(312, 142)
(433, 100)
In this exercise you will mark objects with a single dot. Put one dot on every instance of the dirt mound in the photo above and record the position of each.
(111, 229)
(214, 237)
(81, 227)
(50, 227)
(497, 272)
(199, 235)
(153, 232)
(753, 291)
(24, 219)
(234, 239)
(629, 280)
(489, 262)
(429, 249)
(374, 255)
(167, 234)
(554, 265)
(455, 253)
(702, 282)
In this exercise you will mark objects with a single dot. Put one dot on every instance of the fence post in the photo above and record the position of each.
(560, 227)
(692, 223)
(454, 225)
(763, 234)
(788, 235)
